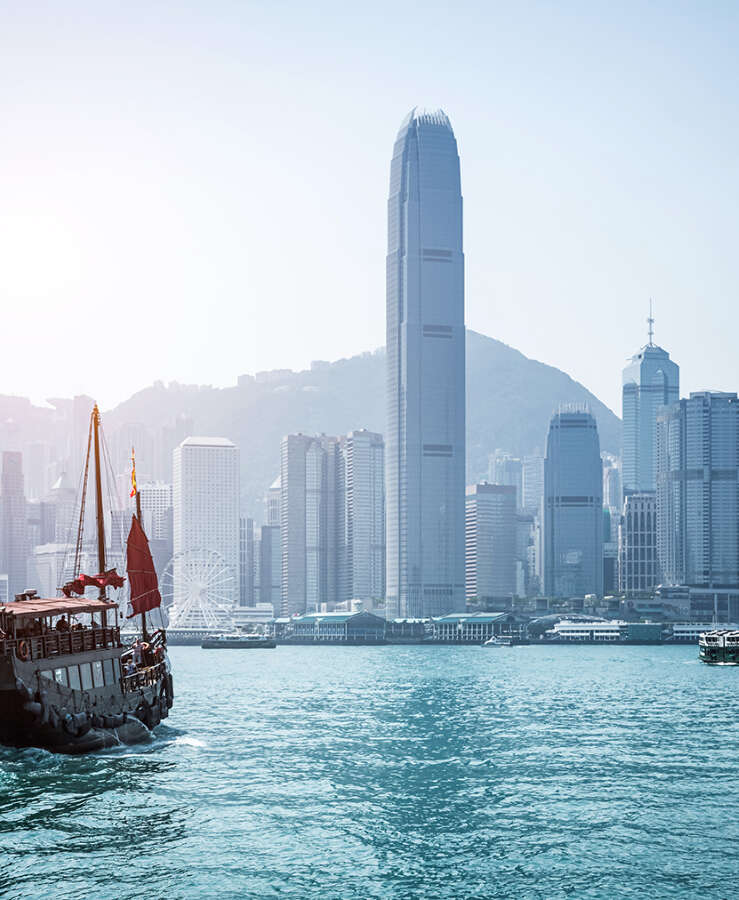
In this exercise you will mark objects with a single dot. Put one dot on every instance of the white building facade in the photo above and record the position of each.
(205, 496)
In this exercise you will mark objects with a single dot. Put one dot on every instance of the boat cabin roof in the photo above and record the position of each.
(55, 606)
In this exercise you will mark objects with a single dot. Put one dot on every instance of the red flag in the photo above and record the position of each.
(142, 575)
(133, 474)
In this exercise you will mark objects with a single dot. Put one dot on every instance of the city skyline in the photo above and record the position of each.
(209, 153)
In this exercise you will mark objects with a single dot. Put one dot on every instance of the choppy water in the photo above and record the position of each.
(402, 772)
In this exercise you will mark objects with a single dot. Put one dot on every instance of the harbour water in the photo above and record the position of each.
(397, 772)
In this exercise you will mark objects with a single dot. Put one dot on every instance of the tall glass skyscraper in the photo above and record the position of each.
(573, 507)
(698, 491)
(425, 441)
(650, 380)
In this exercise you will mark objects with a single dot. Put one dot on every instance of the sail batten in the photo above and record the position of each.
(142, 575)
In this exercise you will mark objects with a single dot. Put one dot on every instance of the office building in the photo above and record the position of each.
(697, 501)
(41, 522)
(612, 494)
(13, 522)
(532, 482)
(490, 543)
(272, 501)
(364, 454)
(650, 380)
(312, 523)
(573, 507)
(63, 496)
(156, 510)
(247, 562)
(268, 567)
(506, 469)
(206, 511)
(425, 439)
(638, 571)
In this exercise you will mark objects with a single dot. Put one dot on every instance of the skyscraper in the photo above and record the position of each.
(533, 484)
(312, 523)
(698, 500)
(573, 507)
(425, 440)
(490, 542)
(206, 510)
(637, 544)
(506, 469)
(268, 567)
(247, 562)
(364, 452)
(156, 508)
(650, 380)
(13, 525)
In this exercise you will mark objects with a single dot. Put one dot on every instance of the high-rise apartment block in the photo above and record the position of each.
(490, 543)
(206, 506)
(573, 507)
(425, 457)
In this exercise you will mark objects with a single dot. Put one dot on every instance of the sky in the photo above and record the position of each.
(192, 191)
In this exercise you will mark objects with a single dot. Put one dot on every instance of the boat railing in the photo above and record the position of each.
(60, 643)
(143, 677)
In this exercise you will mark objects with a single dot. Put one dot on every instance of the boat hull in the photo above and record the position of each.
(718, 656)
(238, 645)
(38, 711)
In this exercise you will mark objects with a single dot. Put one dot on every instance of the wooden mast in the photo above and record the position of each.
(99, 496)
(144, 633)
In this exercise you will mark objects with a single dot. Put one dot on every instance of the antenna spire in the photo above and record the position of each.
(650, 323)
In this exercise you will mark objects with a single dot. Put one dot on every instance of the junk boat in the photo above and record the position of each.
(72, 686)
(719, 648)
(238, 642)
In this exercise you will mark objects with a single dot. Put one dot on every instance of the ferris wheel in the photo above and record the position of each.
(198, 590)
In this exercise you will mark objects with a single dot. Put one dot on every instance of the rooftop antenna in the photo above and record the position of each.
(650, 322)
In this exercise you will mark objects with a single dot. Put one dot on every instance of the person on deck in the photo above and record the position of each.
(62, 624)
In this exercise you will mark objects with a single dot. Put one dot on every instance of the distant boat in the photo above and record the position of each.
(504, 640)
(719, 648)
(70, 685)
(238, 641)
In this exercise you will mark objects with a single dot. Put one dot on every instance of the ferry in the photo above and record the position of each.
(238, 641)
(719, 648)
(505, 640)
(68, 683)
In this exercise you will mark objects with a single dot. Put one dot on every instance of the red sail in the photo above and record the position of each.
(142, 576)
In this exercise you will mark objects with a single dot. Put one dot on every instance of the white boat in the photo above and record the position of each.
(238, 641)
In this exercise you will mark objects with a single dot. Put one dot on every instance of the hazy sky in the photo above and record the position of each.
(189, 191)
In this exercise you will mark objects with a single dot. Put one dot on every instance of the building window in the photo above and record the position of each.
(74, 677)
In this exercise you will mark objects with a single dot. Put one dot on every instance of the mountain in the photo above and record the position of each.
(510, 399)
